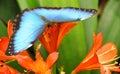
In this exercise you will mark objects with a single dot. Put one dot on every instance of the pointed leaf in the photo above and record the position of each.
(3, 30)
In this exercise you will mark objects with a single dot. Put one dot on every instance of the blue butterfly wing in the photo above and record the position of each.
(32, 23)
(30, 27)
(64, 14)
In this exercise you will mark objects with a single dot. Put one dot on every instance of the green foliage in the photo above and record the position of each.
(3, 30)
(28, 4)
(109, 23)
(8, 9)
(77, 43)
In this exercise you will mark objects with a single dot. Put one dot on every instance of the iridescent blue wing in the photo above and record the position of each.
(31, 24)
(64, 14)
(29, 27)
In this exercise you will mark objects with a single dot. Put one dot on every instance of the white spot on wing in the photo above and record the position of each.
(30, 45)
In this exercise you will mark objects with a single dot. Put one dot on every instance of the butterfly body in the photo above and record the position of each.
(31, 23)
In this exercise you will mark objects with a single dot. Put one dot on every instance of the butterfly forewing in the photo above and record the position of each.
(64, 14)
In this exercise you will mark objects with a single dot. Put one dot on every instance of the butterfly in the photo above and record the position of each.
(30, 24)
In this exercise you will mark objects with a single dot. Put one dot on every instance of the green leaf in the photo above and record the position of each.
(59, 3)
(3, 29)
(90, 25)
(109, 23)
(8, 9)
(28, 4)
(73, 44)
(16, 66)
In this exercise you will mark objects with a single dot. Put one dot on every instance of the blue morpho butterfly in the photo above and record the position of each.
(29, 25)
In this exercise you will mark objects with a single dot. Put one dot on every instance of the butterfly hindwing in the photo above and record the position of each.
(30, 27)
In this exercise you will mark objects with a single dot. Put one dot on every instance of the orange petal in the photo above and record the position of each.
(51, 59)
(24, 53)
(4, 57)
(90, 64)
(48, 72)
(38, 55)
(10, 28)
(107, 53)
(54, 34)
(4, 43)
(91, 60)
(97, 41)
(42, 66)
(26, 62)
(104, 70)
(64, 29)
(47, 37)
(115, 69)
(4, 69)
(97, 44)
(39, 62)
(3, 47)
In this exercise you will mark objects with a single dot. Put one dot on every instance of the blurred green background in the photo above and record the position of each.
(77, 43)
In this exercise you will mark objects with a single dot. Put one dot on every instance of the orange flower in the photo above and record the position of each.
(54, 34)
(91, 60)
(4, 42)
(107, 57)
(99, 57)
(4, 69)
(39, 66)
